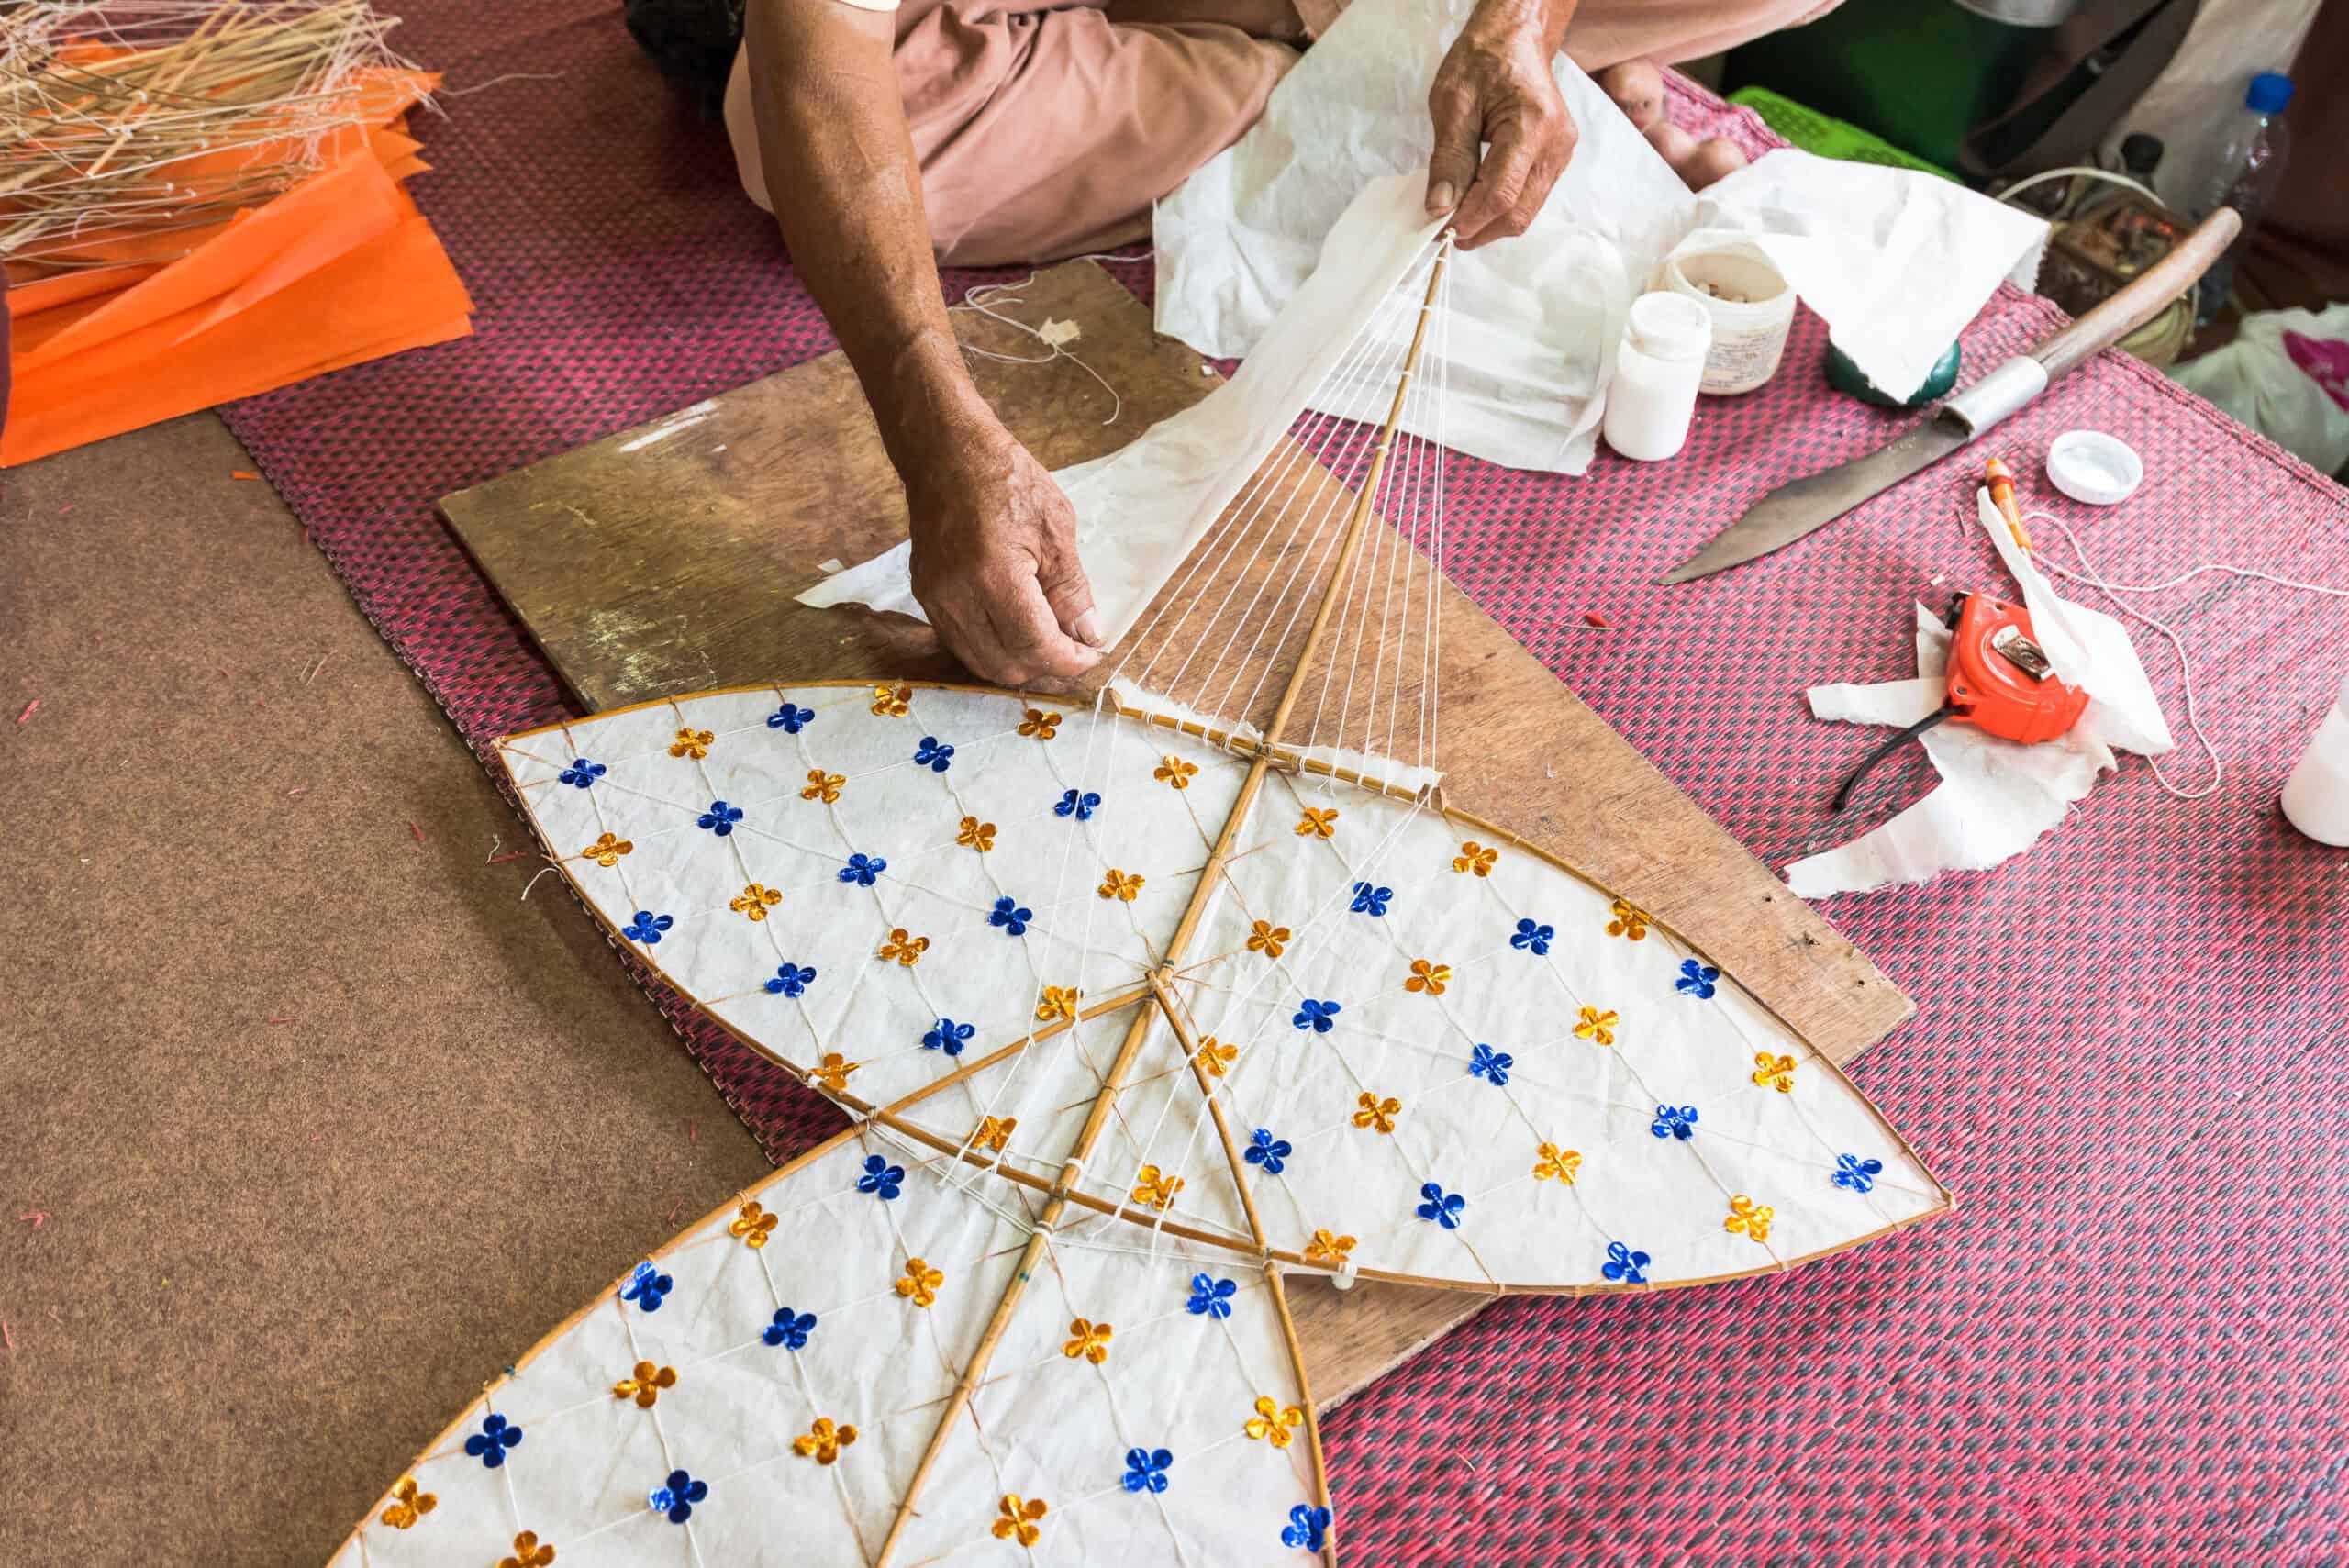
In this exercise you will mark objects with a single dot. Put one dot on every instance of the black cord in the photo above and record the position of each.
(1843, 796)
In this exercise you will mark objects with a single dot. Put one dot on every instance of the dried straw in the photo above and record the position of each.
(103, 105)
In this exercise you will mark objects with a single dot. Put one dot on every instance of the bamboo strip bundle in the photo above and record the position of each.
(139, 115)
(201, 200)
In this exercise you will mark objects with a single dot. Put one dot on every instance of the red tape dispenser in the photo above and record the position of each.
(1999, 680)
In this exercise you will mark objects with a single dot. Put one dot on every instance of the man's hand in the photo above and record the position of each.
(1494, 86)
(995, 561)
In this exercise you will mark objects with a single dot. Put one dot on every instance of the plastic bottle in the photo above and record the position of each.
(2243, 173)
(1657, 373)
(2316, 798)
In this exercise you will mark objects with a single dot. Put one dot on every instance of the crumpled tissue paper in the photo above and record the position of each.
(1996, 797)
(1894, 261)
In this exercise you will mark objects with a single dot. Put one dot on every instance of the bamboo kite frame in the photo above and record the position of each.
(1158, 991)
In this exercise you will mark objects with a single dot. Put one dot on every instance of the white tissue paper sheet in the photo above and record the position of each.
(1996, 797)
(1143, 508)
(1895, 262)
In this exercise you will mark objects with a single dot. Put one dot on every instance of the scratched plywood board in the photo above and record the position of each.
(665, 560)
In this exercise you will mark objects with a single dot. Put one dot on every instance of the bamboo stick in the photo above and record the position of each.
(1202, 899)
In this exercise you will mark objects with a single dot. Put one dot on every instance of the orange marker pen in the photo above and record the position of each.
(2001, 481)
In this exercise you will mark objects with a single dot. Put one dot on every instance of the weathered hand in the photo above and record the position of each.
(994, 561)
(1494, 86)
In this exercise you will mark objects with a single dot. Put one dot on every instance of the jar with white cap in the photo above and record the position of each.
(1657, 373)
(2316, 798)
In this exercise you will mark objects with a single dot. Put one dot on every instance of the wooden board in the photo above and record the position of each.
(665, 560)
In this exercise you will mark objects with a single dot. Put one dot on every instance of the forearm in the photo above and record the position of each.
(846, 187)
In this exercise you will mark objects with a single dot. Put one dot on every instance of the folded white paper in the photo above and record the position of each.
(1895, 262)
(1996, 797)
(1141, 510)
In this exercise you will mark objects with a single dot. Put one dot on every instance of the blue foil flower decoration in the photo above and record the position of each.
(580, 773)
(1307, 1527)
(1080, 807)
(1010, 915)
(720, 819)
(676, 1496)
(489, 1445)
(1623, 1265)
(1210, 1297)
(861, 869)
(1532, 938)
(1695, 979)
(647, 927)
(791, 720)
(948, 1035)
(790, 980)
(1316, 1016)
(881, 1177)
(788, 1331)
(1490, 1065)
(648, 1288)
(1856, 1174)
(1369, 900)
(1442, 1206)
(934, 754)
(1675, 1122)
(1146, 1468)
(1270, 1152)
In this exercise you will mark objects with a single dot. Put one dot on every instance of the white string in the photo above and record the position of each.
(1325, 486)
(1335, 478)
(2096, 578)
(1002, 293)
(1357, 349)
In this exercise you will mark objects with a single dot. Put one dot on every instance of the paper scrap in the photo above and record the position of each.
(1055, 333)
(1997, 797)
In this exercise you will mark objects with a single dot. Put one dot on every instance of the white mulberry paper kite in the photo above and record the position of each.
(1133, 1013)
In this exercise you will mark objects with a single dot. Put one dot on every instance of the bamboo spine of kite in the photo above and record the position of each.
(1202, 897)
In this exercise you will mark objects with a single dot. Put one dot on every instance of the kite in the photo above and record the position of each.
(1134, 1009)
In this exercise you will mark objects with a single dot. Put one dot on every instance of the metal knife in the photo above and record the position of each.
(1802, 507)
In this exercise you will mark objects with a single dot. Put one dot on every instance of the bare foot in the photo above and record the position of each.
(1699, 164)
(1709, 160)
(1637, 87)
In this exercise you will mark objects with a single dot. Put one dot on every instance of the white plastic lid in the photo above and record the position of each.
(2090, 466)
(1670, 325)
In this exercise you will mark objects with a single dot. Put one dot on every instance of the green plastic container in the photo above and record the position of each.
(1917, 73)
(1827, 136)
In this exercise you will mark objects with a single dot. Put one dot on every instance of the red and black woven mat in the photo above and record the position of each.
(2129, 1059)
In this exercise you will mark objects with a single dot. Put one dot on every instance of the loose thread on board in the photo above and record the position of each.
(414, 829)
(30, 709)
(2094, 577)
(533, 882)
(1002, 293)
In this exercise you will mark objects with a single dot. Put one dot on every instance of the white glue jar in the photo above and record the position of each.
(2316, 798)
(1657, 371)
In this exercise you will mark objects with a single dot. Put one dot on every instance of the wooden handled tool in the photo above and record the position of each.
(1802, 507)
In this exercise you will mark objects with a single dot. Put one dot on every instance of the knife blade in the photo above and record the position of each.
(1803, 506)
